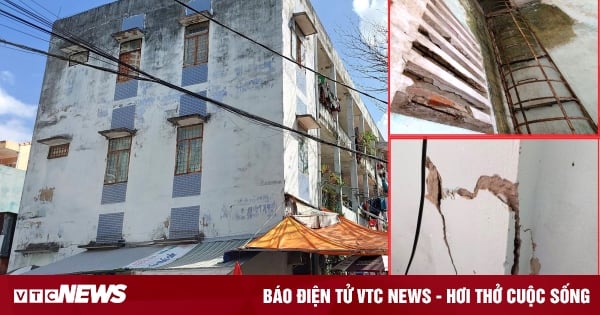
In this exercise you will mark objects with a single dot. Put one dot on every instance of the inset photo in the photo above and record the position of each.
(494, 207)
(493, 67)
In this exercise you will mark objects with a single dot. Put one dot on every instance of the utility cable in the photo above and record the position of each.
(278, 53)
(74, 40)
(421, 204)
(227, 107)
(41, 52)
(98, 51)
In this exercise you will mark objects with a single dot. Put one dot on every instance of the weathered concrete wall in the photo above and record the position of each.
(11, 187)
(403, 30)
(243, 176)
(475, 240)
(299, 92)
(566, 42)
(558, 189)
(436, 71)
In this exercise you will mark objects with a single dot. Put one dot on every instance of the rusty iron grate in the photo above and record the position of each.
(539, 97)
(57, 151)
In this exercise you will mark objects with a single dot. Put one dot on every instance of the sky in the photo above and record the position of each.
(21, 73)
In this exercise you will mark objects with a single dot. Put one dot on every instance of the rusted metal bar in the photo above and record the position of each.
(524, 64)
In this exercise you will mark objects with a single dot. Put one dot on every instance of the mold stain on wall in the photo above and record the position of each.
(477, 25)
(552, 26)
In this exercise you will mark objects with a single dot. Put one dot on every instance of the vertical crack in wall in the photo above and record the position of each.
(434, 194)
(534, 263)
(506, 191)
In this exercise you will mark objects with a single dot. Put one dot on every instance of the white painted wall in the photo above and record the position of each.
(558, 188)
(244, 164)
(476, 229)
(242, 161)
(583, 74)
(291, 93)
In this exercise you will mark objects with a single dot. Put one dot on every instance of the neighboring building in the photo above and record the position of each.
(119, 162)
(13, 163)
(15, 155)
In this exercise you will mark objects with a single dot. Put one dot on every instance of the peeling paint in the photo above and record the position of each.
(45, 195)
(534, 263)
(508, 193)
(434, 189)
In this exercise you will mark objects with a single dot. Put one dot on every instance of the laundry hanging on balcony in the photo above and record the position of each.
(382, 174)
(375, 206)
(326, 96)
(358, 142)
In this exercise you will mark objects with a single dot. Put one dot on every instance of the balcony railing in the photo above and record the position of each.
(326, 118)
(367, 166)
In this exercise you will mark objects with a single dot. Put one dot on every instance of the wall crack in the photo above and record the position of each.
(507, 192)
(434, 194)
(504, 189)
(534, 263)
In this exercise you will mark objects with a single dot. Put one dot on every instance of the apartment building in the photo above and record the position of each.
(119, 161)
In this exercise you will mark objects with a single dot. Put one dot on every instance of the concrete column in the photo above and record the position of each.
(354, 164)
(317, 107)
(365, 188)
(337, 158)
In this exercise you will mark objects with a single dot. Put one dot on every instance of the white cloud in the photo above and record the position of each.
(382, 124)
(7, 76)
(372, 14)
(16, 117)
(13, 107)
(15, 130)
(372, 10)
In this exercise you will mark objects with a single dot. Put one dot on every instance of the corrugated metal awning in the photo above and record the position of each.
(209, 253)
(96, 261)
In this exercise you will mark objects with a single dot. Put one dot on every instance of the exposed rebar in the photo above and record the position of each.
(539, 97)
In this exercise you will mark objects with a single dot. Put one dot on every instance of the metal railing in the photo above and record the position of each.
(539, 97)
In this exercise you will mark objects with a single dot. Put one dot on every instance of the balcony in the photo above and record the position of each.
(327, 120)
(367, 166)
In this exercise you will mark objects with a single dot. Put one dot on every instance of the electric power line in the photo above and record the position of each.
(41, 52)
(74, 40)
(278, 53)
(227, 107)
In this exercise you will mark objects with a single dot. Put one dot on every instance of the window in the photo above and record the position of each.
(196, 44)
(296, 45)
(302, 156)
(130, 54)
(79, 58)
(189, 149)
(57, 151)
(117, 161)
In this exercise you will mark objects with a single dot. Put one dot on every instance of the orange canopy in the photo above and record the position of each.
(343, 238)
